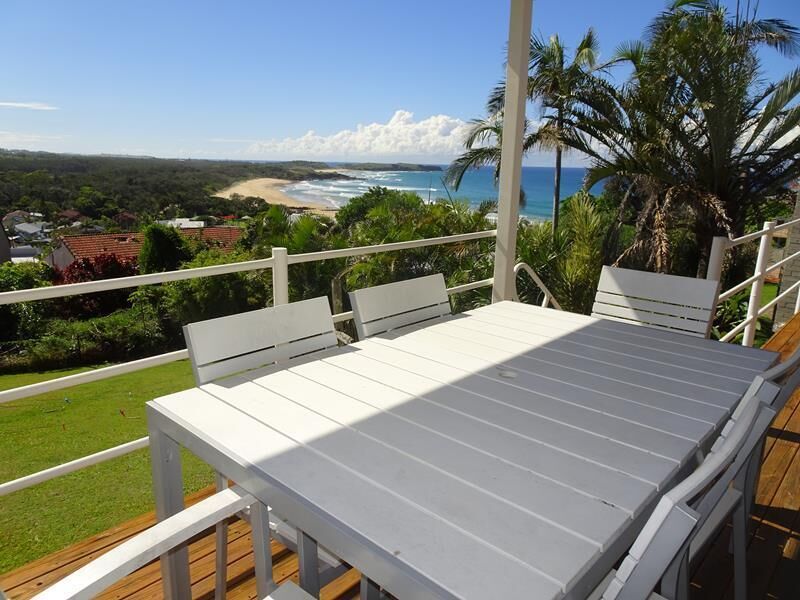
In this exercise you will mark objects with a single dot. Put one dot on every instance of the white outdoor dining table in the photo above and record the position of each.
(510, 451)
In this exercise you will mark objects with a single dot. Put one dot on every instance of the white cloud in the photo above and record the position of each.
(435, 139)
(13, 138)
(28, 105)
(438, 136)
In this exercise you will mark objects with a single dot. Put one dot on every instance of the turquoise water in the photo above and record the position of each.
(477, 186)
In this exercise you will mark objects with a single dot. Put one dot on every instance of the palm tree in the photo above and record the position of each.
(483, 143)
(551, 81)
(694, 132)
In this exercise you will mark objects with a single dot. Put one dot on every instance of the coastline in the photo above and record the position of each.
(270, 190)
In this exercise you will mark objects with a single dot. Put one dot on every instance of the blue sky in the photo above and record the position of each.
(250, 79)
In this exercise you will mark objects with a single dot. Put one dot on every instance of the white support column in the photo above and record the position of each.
(519, 33)
(762, 262)
(280, 276)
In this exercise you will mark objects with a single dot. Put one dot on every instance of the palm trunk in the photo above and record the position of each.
(557, 190)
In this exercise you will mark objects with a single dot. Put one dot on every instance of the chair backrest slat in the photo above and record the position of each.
(384, 307)
(303, 327)
(227, 345)
(682, 511)
(681, 304)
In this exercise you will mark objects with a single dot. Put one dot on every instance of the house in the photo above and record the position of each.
(15, 217)
(75, 247)
(69, 216)
(224, 238)
(125, 219)
(128, 245)
(182, 223)
(35, 232)
(22, 254)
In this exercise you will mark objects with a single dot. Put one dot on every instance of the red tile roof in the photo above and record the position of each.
(124, 245)
(223, 237)
(128, 245)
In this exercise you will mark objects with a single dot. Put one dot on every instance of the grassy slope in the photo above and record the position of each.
(53, 428)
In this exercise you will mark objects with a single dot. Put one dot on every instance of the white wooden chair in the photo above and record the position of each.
(382, 308)
(787, 376)
(680, 304)
(227, 345)
(166, 535)
(663, 549)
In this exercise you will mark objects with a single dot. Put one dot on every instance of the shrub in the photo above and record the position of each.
(568, 262)
(20, 321)
(120, 336)
(105, 266)
(209, 297)
(163, 249)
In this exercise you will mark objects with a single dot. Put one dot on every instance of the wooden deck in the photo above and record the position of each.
(146, 582)
(773, 562)
(774, 546)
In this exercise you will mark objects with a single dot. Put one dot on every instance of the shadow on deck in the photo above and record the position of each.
(773, 552)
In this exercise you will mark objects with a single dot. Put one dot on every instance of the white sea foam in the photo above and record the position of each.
(337, 191)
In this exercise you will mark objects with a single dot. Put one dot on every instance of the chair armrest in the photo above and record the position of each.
(145, 547)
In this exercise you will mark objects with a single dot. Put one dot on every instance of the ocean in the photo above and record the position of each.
(477, 186)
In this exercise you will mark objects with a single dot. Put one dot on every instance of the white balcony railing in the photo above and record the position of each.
(756, 281)
(278, 263)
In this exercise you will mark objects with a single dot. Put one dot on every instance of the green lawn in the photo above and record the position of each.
(768, 293)
(53, 428)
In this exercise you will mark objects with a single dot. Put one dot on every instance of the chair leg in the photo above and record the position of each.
(221, 554)
(740, 518)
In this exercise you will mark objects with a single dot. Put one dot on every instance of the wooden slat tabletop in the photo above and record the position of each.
(497, 453)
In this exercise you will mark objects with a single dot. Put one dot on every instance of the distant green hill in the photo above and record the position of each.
(386, 167)
(101, 186)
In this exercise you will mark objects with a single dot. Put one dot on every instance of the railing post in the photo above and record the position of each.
(758, 285)
(280, 276)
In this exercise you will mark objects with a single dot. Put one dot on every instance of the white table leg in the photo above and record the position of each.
(221, 553)
(369, 589)
(309, 563)
(165, 459)
(262, 551)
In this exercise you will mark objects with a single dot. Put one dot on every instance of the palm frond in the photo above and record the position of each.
(473, 158)
(775, 33)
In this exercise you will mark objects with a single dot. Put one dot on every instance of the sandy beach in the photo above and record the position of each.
(269, 189)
